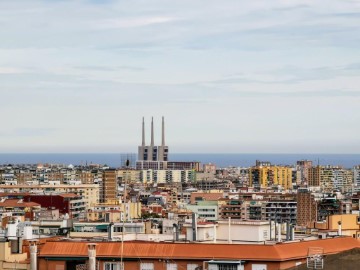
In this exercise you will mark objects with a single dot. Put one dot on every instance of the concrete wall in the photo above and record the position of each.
(240, 232)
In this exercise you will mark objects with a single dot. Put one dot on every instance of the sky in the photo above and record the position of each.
(229, 76)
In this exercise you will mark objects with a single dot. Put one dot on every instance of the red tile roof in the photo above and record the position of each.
(17, 203)
(279, 252)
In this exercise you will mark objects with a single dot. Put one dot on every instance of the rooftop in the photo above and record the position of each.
(278, 252)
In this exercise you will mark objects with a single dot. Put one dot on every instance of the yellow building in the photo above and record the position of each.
(350, 225)
(115, 212)
(10, 260)
(267, 176)
(130, 176)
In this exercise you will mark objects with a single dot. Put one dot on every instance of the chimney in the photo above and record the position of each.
(176, 232)
(143, 132)
(287, 230)
(194, 225)
(92, 256)
(215, 233)
(163, 132)
(292, 233)
(279, 232)
(33, 254)
(111, 231)
(229, 231)
(152, 133)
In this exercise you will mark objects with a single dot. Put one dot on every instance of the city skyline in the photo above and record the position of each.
(235, 77)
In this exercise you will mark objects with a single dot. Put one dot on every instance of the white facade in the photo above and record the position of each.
(204, 232)
(166, 176)
(251, 231)
(357, 178)
(205, 210)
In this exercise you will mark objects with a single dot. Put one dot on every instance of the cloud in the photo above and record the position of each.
(132, 22)
(110, 68)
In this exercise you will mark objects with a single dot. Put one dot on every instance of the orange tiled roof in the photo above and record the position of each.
(279, 252)
(17, 203)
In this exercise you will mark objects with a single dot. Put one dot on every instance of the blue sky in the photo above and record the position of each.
(229, 76)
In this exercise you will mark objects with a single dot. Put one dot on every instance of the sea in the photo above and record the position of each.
(221, 160)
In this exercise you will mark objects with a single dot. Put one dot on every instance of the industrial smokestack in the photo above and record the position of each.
(33, 255)
(92, 256)
(143, 132)
(163, 132)
(152, 132)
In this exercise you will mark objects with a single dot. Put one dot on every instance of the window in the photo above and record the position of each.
(113, 266)
(192, 266)
(258, 267)
(227, 267)
(146, 266)
(171, 266)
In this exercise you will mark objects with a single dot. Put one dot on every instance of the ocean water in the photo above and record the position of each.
(221, 160)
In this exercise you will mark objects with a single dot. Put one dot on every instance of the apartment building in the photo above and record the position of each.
(90, 193)
(231, 209)
(207, 210)
(302, 172)
(109, 186)
(167, 176)
(356, 170)
(268, 176)
(306, 208)
(330, 178)
(281, 211)
(19, 209)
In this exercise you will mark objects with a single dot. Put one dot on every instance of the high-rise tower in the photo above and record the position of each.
(152, 152)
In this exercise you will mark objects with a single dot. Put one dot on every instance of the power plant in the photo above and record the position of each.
(152, 152)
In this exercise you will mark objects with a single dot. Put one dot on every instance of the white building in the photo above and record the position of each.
(166, 176)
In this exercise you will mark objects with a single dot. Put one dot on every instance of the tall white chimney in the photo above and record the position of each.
(163, 133)
(143, 133)
(152, 132)
(33, 255)
(229, 231)
(92, 256)
(279, 232)
(339, 228)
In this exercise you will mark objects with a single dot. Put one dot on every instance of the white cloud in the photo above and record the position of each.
(131, 22)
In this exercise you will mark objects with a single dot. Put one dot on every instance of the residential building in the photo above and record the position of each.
(90, 193)
(206, 210)
(302, 172)
(268, 176)
(109, 186)
(330, 178)
(281, 211)
(306, 208)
